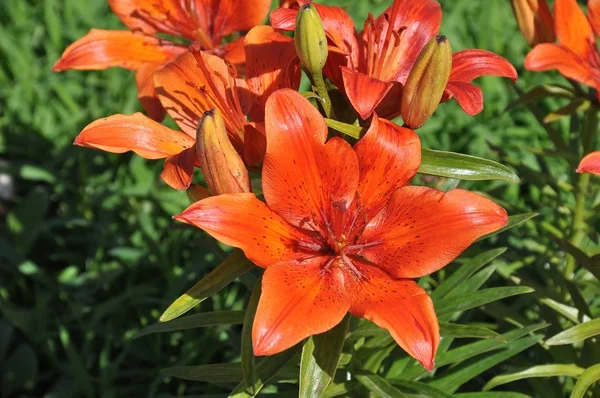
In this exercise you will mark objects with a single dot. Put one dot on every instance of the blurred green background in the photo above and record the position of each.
(89, 254)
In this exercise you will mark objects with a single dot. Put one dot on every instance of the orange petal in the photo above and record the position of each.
(364, 92)
(187, 88)
(101, 49)
(421, 229)
(146, 92)
(179, 169)
(401, 307)
(241, 220)
(135, 14)
(255, 144)
(230, 16)
(137, 133)
(548, 56)
(234, 52)
(590, 163)
(297, 300)
(594, 15)
(468, 65)
(302, 176)
(572, 28)
(389, 157)
(271, 64)
(468, 96)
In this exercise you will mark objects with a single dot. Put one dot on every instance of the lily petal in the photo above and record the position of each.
(137, 133)
(297, 300)
(243, 221)
(271, 64)
(189, 86)
(364, 92)
(421, 229)
(572, 27)
(468, 65)
(594, 15)
(389, 157)
(401, 307)
(468, 96)
(303, 176)
(548, 56)
(590, 163)
(101, 49)
(146, 92)
(230, 16)
(179, 169)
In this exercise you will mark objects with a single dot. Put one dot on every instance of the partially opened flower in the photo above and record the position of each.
(590, 163)
(141, 49)
(576, 54)
(534, 20)
(372, 66)
(341, 232)
(197, 82)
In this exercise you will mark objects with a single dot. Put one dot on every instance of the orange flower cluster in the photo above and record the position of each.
(340, 229)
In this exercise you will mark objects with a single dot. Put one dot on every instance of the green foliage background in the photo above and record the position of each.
(89, 254)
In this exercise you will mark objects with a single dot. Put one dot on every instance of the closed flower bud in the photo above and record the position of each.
(426, 83)
(197, 192)
(310, 39)
(534, 20)
(224, 170)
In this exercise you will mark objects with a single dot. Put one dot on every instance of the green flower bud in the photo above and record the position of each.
(310, 39)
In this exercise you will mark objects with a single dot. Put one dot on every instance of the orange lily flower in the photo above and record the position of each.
(575, 55)
(197, 82)
(341, 232)
(140, 48)
(373, 65)
(590, 163)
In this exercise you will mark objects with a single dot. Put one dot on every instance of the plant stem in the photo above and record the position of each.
(318, 84)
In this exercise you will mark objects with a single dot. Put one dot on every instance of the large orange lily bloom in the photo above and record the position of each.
(197, 82)
(575, 55)
(341, 232)
(590, 163)
(371, 66)
(140, 48)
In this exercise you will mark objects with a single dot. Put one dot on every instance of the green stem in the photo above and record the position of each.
(318, 84)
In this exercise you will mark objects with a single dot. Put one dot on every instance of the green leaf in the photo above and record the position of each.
(194, 321)
(214, 373)
(570, 370)
(465, 272)
(465, 302)
(541, 92)
(320, 358)
(233, 266)
(466, 331)
(344, 128)
(513, 221)
(266, 369)
(503, 394)
(248, 358)
(379, 386)
(576, 333)
(422, 388)
(587, 378)
(464, 167)
(576, 105)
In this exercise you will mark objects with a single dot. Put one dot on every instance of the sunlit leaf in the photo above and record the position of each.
(194, 321)
(570, 370)
(576, 333)
(468, 331)
(587, 378)
(465, 302)
(379, 386)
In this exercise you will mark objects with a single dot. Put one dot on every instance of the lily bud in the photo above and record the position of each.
(197, 192)
(310, 39)
(534, 20)
(426, 82)
(224, 170)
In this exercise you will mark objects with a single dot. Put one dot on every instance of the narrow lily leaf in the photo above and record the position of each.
(418, 387)
(379, 386)
(235, 265)
(466, 331)
(457, 378)
(215, 373)
(248, 358)
(194, 321)
(465, 272)
(540, 92)
(462, 303)
(513, 221)
(587, 378)
(340, 389)
(576, 333)
(266, 369)
(344, 128)
(576, 105)
(503, 394)
(320, 358)
(570, 370)
(464, 167)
